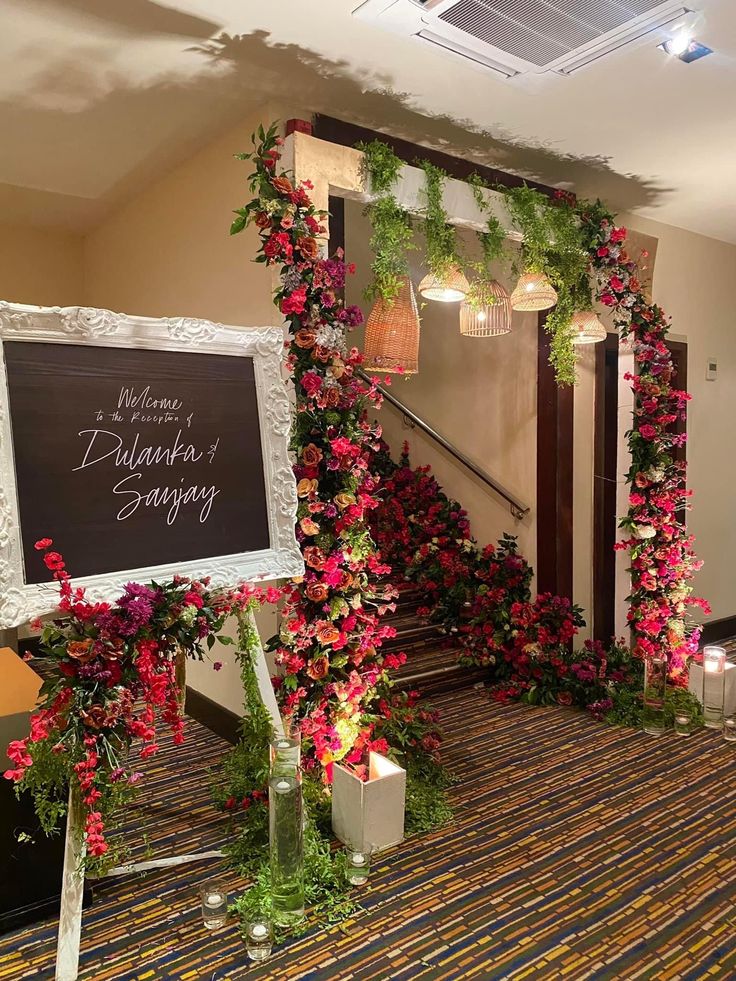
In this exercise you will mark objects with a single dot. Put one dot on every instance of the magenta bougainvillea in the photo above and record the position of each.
(329, 643)
(663, 561)
(111, 679)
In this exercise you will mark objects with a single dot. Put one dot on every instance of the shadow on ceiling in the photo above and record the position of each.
(290, 71)
(143, 18)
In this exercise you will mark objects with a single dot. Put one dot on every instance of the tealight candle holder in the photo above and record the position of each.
(682, 725)
(213, 893)
(714, 679)
(358, 865)
(729, 728)
(259, 939)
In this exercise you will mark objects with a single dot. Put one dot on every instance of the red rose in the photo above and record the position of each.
(43, 543)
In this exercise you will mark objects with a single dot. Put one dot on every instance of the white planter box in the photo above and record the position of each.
(695, 685)
(369, 813)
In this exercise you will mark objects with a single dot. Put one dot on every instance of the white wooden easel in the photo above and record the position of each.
(72, 889)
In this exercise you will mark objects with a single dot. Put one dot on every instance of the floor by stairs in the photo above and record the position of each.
(431, 656)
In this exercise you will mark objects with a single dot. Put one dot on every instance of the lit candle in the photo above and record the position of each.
(714, 659)
(214, 899)
(259, 930)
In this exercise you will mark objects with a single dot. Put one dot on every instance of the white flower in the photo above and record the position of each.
(643, 531)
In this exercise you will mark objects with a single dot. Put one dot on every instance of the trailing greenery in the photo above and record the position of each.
(441, 240)
(553, 246)
(391, 237)
(326, 889)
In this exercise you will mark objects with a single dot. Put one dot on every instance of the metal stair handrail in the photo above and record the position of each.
(518, 509)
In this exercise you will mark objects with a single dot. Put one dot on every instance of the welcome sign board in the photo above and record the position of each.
(144, 448)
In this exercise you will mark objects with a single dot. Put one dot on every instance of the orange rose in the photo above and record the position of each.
(283, 185)
(262, 219)
(311, 455)
(80, 650)
(328, 634)
(308, 247)
(305, 338)
(305, 487)
(332, 397)
(337, 370)
(94, 717)
(322, 354)
(318, 668)
(309, 527)
(317, 592)
(344, 499)
(314, 557)
(347, 580)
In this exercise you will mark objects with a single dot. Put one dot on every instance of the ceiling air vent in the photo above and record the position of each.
(515, 37)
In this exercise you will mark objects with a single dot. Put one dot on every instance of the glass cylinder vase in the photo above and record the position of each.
(714, 681)
(655, 685)
(286, 830)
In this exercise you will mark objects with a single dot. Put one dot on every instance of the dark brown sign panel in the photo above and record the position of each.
(132, 458)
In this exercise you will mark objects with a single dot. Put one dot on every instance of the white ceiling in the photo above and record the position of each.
(98, 97)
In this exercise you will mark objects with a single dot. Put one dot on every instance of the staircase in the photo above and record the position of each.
(431, 657)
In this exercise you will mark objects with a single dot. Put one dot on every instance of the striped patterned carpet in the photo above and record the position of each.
(578, 851)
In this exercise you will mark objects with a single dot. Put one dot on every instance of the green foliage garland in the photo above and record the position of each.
(492, 243)
(440, 235)
(553, 246)
(392, 235)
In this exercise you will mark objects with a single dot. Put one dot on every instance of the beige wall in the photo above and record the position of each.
(41, 266)
(167, 251)
(479, 393)
(694, 281)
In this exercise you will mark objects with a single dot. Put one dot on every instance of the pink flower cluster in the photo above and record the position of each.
(329, 644)
(663, 561)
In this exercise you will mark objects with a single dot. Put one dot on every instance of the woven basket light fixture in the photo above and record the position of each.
(533, 292)
(588, 328)
(450, 288)
(489, 320)
(392, 334)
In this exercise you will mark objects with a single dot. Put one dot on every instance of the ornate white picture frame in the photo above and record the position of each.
(19, 600)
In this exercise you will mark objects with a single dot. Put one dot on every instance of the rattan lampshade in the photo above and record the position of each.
(450, 288)
(588, 328)
(489, 320)
(533, 292)
(392, 334)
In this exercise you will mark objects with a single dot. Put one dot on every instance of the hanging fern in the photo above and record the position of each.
(493, 249)
(391, 236)
(441, 239)
(553, 246)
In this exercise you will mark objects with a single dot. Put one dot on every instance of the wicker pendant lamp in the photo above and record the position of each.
(588, 328)
(392, 334)
(533, 292)
(448, 288)
(489, 319)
